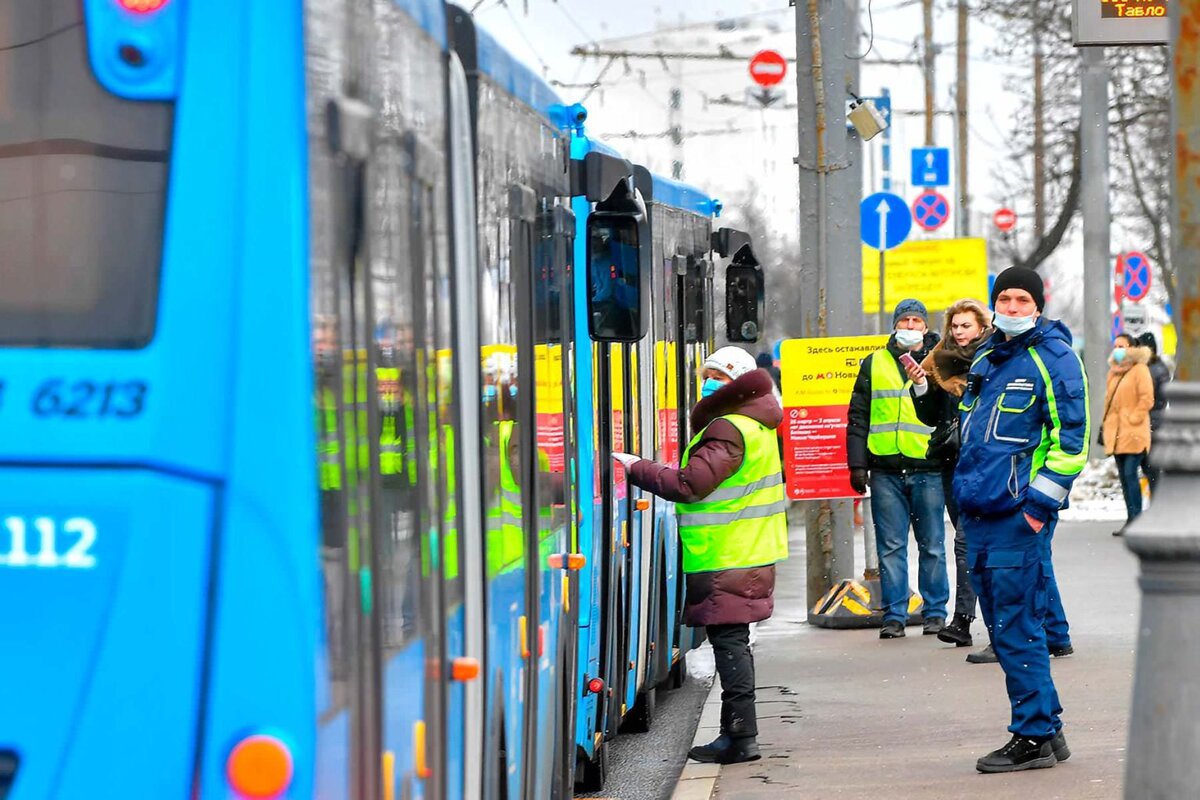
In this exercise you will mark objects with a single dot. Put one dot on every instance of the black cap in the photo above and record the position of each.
(1020, 278)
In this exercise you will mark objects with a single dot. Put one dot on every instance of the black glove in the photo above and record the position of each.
(858, 480)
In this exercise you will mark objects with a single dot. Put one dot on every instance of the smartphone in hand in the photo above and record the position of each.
(907, 360)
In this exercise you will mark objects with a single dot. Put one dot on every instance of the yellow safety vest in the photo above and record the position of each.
(742, 523)
(895, 427)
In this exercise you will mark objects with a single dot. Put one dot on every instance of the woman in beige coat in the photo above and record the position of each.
(1126, 433)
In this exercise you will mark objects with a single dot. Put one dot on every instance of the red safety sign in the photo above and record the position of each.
(768, 67)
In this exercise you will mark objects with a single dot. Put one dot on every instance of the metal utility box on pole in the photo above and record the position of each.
(1164, 736)
(830, 255)
(1097, 316)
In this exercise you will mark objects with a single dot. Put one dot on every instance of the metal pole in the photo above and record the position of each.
(1039, 131)
(927, 53)
(1164, 736)
(960, 101)
(882, 324)
(1094, 202)
(830, 254)
(887, 150)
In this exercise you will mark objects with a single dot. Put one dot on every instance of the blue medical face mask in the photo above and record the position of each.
(1118, 355)
(710, 387)
(1014, 326)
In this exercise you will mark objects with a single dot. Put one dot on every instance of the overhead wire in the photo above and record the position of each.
(521, 31)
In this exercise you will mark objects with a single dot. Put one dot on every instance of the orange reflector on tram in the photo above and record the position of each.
(259, 767)
(464, 669)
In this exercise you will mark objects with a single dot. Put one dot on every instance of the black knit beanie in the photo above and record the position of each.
(1020, 278)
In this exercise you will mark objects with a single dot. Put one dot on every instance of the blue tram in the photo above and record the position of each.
(241, 236)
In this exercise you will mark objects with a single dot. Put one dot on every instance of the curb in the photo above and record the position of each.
(699, 781)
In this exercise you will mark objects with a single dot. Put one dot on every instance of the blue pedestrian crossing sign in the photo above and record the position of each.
(930, 166)
(885, 220)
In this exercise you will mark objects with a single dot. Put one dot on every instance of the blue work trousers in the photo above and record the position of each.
(899, 499)
(1012, 574)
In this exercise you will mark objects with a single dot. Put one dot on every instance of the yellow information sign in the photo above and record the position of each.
(938, 272)
(821, 372)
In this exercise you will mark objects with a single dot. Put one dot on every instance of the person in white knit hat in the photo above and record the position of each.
(729, 496)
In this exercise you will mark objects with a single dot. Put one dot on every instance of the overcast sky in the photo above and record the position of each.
(635, 94)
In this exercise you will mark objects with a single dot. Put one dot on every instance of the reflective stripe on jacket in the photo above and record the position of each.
(742, 523)
(895, 427)
(1024, 425)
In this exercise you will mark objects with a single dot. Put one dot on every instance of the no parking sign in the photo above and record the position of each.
(931, 210)
(1137, 276)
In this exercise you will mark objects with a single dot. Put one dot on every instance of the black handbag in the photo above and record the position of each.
(944, 442)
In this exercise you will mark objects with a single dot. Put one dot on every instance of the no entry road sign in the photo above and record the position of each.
(1005, 219)
(768, 67)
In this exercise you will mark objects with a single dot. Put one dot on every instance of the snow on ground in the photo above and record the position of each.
(1096, 495)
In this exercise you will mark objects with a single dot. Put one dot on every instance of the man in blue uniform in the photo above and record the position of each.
(1024, 430)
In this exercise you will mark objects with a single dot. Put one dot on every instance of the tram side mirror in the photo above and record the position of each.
(745, 298)
(615, 280)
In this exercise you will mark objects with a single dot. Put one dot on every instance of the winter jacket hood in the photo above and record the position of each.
(1023, 425)
(752, 395)
(732, 595)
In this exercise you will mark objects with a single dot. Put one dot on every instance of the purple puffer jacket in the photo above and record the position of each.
(730, 595)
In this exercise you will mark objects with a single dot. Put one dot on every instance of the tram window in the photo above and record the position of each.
(83, 184)
(547, 287)
(615, 299)
(694, 325)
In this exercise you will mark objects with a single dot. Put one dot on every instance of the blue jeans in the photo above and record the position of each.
(898, 499)
(1131, 486)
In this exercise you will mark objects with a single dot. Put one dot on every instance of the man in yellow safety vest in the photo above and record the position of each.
(886, 439)
(729, 495)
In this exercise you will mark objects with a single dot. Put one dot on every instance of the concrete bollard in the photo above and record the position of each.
(1164, 726)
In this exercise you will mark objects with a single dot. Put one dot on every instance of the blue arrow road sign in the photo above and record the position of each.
(885, 220)
(1137, 276)
(930, 166)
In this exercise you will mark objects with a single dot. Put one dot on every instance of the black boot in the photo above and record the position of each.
(1059, 745)
(892, 629)
(724, 750)
(985, 656)
(958, 632)
(1020, 753)
(1061, 650)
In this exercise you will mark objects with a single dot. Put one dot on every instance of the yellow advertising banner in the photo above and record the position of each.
(938, 272)
(821, 372)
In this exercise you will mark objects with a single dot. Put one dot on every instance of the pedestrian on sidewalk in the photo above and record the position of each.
(1161, 374)
(1125, 431)
(887, 446)
(1024, 440)
(729, 495)
(938, 383)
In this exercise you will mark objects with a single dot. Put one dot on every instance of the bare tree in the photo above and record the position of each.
(1138, 127)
